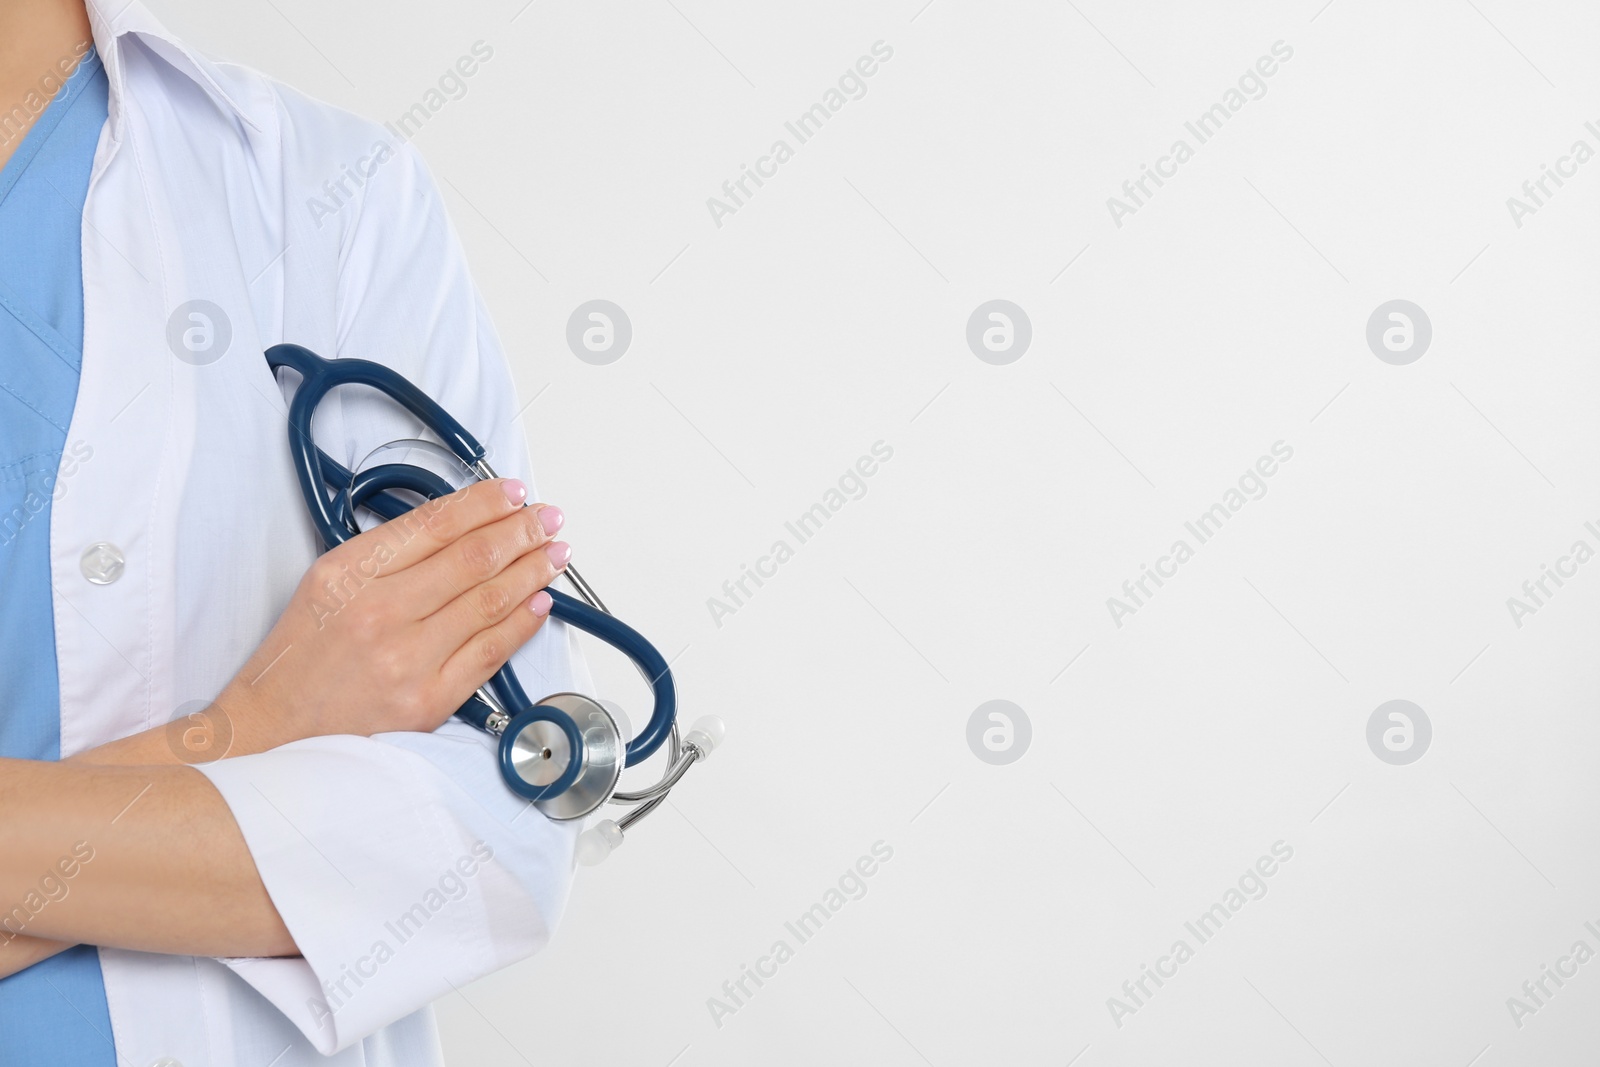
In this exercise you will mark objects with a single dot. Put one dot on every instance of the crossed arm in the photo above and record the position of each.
(142, 857)
(125, 846)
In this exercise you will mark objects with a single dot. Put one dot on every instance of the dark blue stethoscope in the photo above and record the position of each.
(564, 754)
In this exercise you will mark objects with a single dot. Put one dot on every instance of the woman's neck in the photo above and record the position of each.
(41, 42)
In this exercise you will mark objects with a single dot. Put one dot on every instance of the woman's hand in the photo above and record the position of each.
(392, 630)
(397, 627)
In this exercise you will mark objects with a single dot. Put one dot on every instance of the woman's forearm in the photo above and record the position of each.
(145, 858)
(18, 952)
(201, 737)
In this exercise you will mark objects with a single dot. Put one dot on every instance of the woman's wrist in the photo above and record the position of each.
(240, 722)
(237, 723)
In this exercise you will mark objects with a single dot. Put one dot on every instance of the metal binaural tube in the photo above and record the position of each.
(674, 753)
(584, 590)
(671, 778)
(639, 813)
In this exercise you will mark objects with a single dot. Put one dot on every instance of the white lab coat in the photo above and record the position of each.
(400, 863)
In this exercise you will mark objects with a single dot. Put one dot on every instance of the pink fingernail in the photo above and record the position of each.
(551, 519)
(516, 492)
(541, 603)
(559, 552)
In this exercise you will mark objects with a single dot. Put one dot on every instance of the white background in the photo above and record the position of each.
(1228, 313)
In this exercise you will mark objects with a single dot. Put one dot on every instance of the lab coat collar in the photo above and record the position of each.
(114, 20)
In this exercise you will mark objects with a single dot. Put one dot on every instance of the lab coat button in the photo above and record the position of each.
(102, 563)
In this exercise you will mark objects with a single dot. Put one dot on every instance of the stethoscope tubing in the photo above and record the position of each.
(317, 377)
(373, 489)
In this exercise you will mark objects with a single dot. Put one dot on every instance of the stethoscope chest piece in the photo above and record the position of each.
(537, 749)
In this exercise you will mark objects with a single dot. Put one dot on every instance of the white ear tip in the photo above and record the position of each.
(706, 734)
(598, 842)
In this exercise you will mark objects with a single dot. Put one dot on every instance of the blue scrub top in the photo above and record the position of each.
(54, 1012)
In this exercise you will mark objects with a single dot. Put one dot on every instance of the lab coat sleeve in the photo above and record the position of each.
(401, 864)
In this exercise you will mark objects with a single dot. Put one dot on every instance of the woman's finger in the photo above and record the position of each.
(491, 602)
(434, 525)
(476, 557)
(489, 649)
